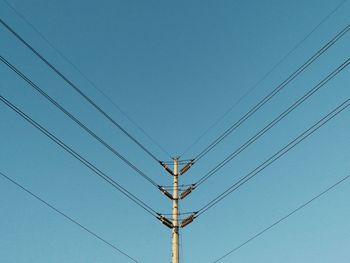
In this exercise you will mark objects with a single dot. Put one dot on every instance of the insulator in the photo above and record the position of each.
(166, 221)
(165, 192)
(186, 192)
(166, 168)
(186, 167)
(187, 220)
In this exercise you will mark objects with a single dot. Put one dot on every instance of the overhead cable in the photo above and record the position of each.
(69, 218)
(273, 122)
(77, 89)
(93, 84)
(84, 161)
(274, 92)
(267, 74)
(332, 187)
(84, 127)
(276, 156)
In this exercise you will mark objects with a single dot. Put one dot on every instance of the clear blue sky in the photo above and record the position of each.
(174, 67)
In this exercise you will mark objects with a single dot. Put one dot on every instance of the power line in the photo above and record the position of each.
(283, 218)
(276, 156)
(79, 91)
(273, 92)
(93, 84)
(84, 161)
(67, 113)
(273, 122)
(75, 222)
(267, 74)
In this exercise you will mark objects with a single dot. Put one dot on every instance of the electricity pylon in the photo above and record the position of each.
(174, 223)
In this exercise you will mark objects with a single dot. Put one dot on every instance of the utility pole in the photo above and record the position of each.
(174, 223)
(175, 230)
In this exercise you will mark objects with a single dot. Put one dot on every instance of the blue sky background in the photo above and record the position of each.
(174, 68)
